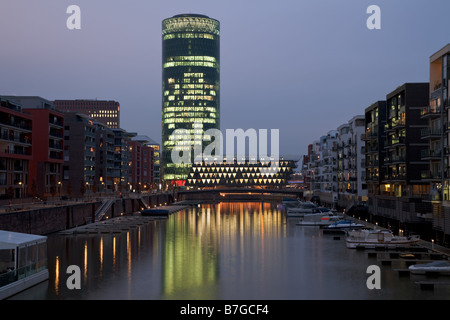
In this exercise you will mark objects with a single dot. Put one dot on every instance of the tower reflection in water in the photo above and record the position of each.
(181, 257)
(199, 241)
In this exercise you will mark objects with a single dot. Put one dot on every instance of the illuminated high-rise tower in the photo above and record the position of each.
(190, 85)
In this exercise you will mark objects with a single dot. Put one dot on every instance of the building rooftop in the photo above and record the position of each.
(190, 15)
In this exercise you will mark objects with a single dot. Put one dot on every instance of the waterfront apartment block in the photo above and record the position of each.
(79, 154)
(156, 161)
(406, 146)
(47, 127)
(190, 87)
(437, 115)
(141, 164)
(323, 173)
(335, 168)
(15, 150)
(103, 111)
(99, 159)
(104, 158)
(122, 157)
(396, 170)
(352, 186)
(374, 137)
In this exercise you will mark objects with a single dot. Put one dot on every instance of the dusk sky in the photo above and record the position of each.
(303, 67)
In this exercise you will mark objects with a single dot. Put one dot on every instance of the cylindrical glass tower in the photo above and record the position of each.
(190, 86)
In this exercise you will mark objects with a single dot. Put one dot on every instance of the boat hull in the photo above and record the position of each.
(436, 268)
(367, 239)
(23, 284)
(373, 244)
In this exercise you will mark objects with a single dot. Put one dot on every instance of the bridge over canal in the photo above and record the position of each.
(226, 194)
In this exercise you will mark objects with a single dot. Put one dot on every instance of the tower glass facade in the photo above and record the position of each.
(190, 87)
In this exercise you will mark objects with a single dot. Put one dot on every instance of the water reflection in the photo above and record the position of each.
(217, 251)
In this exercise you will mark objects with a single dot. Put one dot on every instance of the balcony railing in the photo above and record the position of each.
(8, 137)
(427, 153)
(430, 111)
(431, 175)
(430, 133)
(394, 159)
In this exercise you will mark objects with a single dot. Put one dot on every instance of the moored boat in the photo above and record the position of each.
(440, 267)
(23, 262)
(288, 202)
(345, 224)
(318, 219)
(306, 208)
(370, 239)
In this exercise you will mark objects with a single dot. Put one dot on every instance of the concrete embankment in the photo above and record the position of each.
(46, 218)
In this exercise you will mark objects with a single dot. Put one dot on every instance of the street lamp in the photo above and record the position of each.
(59, 187)
(21, 189)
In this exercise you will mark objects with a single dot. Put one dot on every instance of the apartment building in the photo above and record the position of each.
(141, 163)
(104, 158)
(79, 154)
(15, 150)
(374, 137)
(351, 162)
(103, 111)
(45, 169)
(335, 166)
(437, 138)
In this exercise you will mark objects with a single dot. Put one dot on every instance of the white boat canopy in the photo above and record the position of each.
(13, 240)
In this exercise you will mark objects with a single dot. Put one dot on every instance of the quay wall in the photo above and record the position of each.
(46, 219)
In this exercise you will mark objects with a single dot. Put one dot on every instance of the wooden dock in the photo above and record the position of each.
(113, 225)
(429, 285)
(163, 211)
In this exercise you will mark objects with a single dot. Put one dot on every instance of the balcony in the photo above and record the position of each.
(15, 123)
(55, 121)
(430, 133)
(372, 163)
(395, 124)
(428, 154)
(395, 142)
(394, 159)
(55, 145)
(22, 139)
(17, 150)
(395, 177)
(430, 112)
(430, 175)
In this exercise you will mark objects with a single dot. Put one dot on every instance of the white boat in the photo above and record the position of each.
(370, 239)
(345, 224)
(440, 267)
(288, 202)
(23, 262)
(306, 208)
(318, 219)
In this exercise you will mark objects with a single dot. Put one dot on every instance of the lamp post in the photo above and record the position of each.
(21, 190)
(59, 187)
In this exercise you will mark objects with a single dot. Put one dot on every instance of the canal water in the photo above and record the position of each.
(222, 251)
